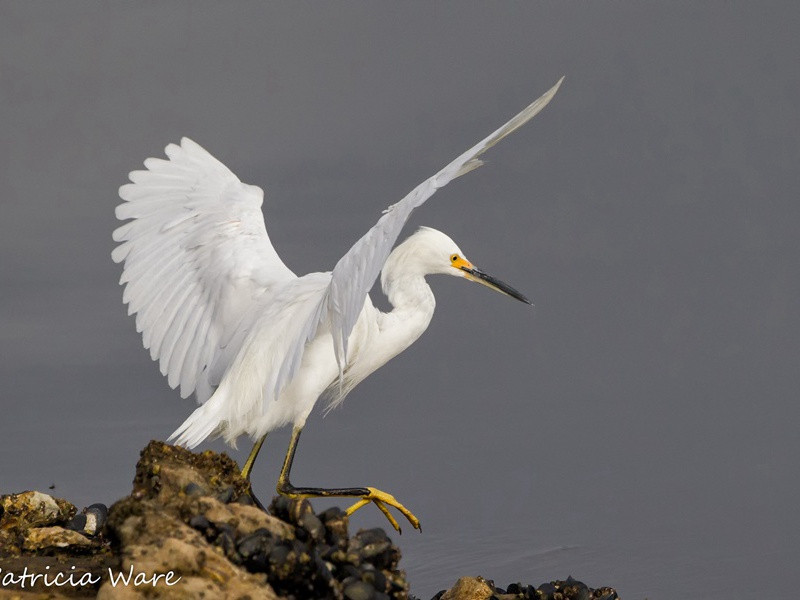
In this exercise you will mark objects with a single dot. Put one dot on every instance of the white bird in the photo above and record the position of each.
(257, 345)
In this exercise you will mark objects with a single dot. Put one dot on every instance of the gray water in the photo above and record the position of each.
(637, 429)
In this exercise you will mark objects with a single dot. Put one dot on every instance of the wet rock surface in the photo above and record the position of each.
(38, 536)
(478, 588)
(189, 529)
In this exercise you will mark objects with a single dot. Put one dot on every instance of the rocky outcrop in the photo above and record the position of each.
(190, 530)
(478, 588)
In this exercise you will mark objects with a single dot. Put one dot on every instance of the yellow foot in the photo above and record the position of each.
(381, 499)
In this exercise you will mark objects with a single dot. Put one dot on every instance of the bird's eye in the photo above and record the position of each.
(454, 258)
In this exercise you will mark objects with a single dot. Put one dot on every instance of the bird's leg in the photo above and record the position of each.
(367, 494)
(251, 459)
(248, 468)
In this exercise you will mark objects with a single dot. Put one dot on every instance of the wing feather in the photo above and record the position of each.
(357, 270)
(196, 254)
(174, 329)
(340, 303)
(190, 369)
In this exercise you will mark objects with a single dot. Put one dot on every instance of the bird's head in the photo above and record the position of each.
(430, 251)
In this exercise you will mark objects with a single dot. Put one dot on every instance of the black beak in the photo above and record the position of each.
(491, 282)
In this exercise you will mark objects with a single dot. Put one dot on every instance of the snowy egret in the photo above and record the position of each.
(257, 345)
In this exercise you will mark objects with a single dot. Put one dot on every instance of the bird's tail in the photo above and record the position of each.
(206, 421)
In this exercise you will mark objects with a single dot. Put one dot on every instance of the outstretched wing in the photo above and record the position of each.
(196, 254)
(356, 271)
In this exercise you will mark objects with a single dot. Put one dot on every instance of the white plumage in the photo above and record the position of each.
(227, 320)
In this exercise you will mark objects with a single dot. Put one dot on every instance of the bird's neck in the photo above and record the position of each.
(385, 335)
(409, 292)
(413, 305)
(403, 281)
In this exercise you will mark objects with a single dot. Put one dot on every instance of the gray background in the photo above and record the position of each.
(638, 429)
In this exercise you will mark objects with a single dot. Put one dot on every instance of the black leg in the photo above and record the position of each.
(367, 494)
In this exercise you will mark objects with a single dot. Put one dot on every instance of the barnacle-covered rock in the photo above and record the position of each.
(43, 539)
(478, 588)
(33, 509)
(190, 514)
